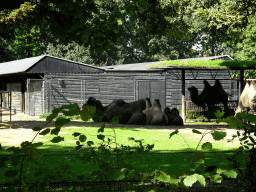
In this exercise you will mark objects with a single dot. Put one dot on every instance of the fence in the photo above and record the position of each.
(129, 185)
(195, 112)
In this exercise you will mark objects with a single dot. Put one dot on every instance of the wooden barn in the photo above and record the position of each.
(26, 80)
(45, 82)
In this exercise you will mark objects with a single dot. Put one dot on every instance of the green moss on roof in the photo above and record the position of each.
(206, 64)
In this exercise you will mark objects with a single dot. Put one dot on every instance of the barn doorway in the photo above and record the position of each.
(153, 89)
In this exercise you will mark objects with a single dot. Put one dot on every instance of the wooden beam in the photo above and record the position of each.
(241, 80)
(183, 95)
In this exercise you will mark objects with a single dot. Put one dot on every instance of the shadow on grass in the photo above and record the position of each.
(28, 124)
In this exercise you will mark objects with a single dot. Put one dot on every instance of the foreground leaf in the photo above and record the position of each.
(173, 133)
(161, 176)
(218, 135)
(207, 146)
(200, 179)
(55, 131)
(216, 178)
(101, 129)
(229, 173)
(45, 132)
(76, 134)
(37, 128)
(195, 131)
(82, 138)
(101, 137)
(57, 139)
(190, 180)
(61, 121)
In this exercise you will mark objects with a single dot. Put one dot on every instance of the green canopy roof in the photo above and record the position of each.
(206, 64)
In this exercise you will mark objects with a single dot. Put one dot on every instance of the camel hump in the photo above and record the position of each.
(120, 102)
(148, 103)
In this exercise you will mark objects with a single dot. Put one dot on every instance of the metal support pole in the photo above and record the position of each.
(183, 95)
(241, 80)
(10, 95)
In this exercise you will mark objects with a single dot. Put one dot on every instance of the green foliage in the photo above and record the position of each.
(117, 168)
(208, 63)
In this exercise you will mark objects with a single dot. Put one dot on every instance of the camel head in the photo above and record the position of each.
(193, 90)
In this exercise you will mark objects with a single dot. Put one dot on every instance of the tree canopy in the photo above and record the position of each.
(124, 30)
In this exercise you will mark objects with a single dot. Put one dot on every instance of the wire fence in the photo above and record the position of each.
(226, 185)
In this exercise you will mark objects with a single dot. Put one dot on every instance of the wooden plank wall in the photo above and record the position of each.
(109, 86)
(16, 96)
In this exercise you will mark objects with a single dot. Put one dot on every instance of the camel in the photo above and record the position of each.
(210, 95)
(154, 115)
(173, 116)
(247, 100)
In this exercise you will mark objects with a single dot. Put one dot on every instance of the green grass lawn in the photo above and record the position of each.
(172, 156)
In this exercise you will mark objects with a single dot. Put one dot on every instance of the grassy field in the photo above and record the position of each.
(172, 156)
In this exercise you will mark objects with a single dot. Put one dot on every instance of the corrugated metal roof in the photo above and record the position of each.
(144, 66)
(22, 65)
(19, 66)
(131, 67)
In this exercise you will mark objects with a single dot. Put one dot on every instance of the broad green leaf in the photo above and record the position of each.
(85, 115)
(37, 128)
(118, 174)
(57, 139)
(229, 173)
(216, 178)
(70, 110)
(161, 176)
(79, 147)
(82, 138)
(195, 131)
(77, 142)
(91, 109)
(207, 146)
(200, 179)
(61, 121)
(173, 133)
(200, 161)
(36, 154)
(90, 143)
(218, 135)
(76, 134)
(101, 137)
(11, 173)
(251, 117)
(101, 129)
(173, 180)
(55, 131)
(50, 117)
(219, 114)
(45, 132)
(54, 114)
(25, 144)
(115, 120)
(39, 144)
(190, 180)
(14, 149)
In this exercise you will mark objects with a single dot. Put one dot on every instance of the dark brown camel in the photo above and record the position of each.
(210, 95)
(173, 116)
